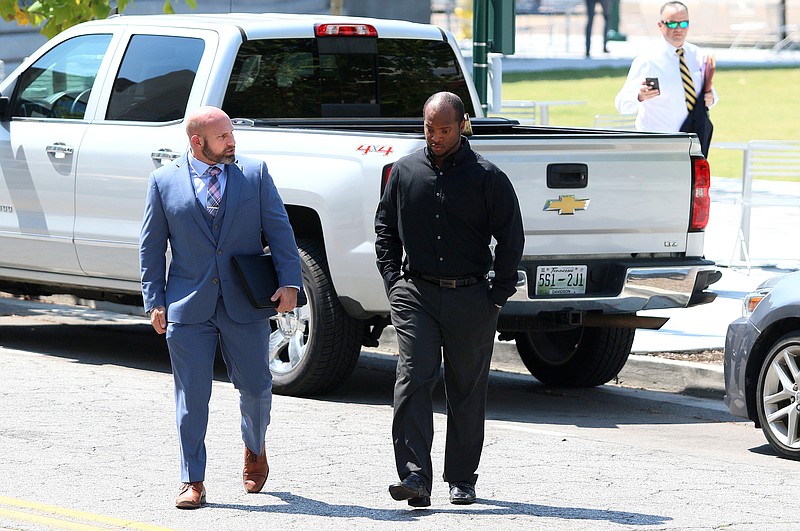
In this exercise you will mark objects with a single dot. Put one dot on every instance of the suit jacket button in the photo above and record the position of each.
(219, 251)
(215, 281)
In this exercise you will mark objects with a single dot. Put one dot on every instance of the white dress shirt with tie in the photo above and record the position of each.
(200, 178)
(667, 111)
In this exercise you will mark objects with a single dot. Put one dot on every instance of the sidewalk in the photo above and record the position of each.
(542, 51)
(536, 53)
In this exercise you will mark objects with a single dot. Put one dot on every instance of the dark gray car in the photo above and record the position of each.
(762, 362)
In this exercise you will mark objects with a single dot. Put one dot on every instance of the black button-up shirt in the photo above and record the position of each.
(444, 219)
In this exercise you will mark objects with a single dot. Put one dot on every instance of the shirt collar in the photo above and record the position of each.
(455, 158)
(201, 167)
(670, 49)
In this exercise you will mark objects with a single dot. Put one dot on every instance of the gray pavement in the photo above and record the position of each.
(88, 441)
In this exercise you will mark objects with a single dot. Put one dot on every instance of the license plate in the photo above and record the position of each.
(560, 280)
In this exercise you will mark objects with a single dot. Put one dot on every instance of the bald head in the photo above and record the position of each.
(445, 101)
(199, 119)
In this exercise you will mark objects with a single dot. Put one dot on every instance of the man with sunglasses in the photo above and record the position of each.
(654, 89)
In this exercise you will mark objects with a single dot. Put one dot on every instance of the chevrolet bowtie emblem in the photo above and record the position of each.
(566, 205)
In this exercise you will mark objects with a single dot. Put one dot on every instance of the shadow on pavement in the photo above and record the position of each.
(521, 398)
(300, 505)
(766, 449)
(128, 345)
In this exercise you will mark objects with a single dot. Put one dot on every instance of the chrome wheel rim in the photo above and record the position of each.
(289, 339)
(781, 397)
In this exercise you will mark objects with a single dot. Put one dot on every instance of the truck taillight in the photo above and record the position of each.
(701, 200)
(345, 30)
(385, 177)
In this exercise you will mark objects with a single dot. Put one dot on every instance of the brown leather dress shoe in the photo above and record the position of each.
(191, 496)
(256, 470)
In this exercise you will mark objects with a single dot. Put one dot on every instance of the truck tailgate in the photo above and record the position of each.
(579, 195)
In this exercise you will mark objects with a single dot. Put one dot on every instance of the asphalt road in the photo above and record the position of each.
(88, 442)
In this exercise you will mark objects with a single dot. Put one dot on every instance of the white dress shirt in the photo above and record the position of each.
(667, 111)
(200, 178)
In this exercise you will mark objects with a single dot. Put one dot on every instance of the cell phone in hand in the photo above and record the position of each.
(652, 82)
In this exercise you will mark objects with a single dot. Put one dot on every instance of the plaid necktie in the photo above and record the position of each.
(688, 85)
(213, 195)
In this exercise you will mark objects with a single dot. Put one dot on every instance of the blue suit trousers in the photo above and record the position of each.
(192, 349)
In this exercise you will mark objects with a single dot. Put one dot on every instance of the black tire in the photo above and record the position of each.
(778, 396)
(579, 357)
(315, 350)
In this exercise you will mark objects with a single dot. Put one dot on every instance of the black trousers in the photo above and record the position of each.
(590, 5)
(461, 323)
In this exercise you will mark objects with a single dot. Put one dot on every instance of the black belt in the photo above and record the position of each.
(459, 282)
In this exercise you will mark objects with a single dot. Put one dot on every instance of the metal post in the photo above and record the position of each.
(747, 198)
(480, 50)
(782, 32)
(496, 81)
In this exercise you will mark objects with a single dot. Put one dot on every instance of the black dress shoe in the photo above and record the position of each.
(462, 493)
(410, 488)
(420, 501)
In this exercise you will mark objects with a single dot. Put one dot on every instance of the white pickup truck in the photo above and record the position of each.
(613, 220)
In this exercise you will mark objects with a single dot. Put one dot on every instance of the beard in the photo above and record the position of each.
(218, 157)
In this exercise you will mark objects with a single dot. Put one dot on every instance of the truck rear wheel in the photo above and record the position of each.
(315, 349)
(579, 357)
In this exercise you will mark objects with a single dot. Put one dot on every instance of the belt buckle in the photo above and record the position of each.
(447, 283)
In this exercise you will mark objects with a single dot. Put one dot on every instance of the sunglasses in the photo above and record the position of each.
(683, 24)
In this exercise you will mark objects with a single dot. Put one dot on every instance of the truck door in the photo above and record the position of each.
(39, 147)
(141, 129)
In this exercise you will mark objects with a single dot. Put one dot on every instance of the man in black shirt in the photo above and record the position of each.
(441, 207)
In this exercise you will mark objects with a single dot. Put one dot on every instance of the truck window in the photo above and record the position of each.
(293, 78)
(412, 70)
(155, 78)
(58, 84)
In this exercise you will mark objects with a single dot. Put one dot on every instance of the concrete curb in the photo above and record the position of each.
(641, 371)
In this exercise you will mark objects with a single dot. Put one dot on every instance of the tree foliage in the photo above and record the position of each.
(58, 15)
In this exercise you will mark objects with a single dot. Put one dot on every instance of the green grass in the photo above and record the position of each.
(754, 104)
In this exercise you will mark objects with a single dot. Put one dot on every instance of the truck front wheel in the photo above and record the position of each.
(579, 357)
(315, 348)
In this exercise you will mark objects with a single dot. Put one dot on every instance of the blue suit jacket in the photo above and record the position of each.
(202, 267)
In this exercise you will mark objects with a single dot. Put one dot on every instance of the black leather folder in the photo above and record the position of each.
(260, 279)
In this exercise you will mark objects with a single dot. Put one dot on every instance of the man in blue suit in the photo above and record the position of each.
(209, 206)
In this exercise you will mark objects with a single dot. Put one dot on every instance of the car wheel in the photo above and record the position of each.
(778, 396)
(315, 348)
(578, 357)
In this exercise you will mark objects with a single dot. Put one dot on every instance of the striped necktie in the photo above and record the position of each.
(688, 85)
(213, 196)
